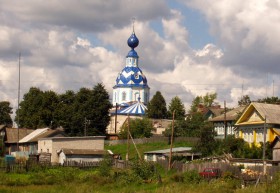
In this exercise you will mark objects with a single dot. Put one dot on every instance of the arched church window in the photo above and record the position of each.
(124, 96)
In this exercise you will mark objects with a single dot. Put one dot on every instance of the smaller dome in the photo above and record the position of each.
(133, 54)
(133, 41)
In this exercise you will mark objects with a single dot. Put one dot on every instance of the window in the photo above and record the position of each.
(136, 76)
(124, 96)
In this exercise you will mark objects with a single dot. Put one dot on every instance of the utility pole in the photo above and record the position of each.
(127, 154)
(225, 119)
(264, 146)
(116, 115)
(18, 125)
(171, 143)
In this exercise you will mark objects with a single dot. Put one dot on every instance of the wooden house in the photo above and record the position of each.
(12, 137)
(259, 121)
(226, 120)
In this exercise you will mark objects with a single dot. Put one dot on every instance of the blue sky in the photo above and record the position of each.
(187, 48)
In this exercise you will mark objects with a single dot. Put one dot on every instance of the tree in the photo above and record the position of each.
(208, 100)
(157, 107)
(269, 100)
(177, 106)
(189, 127)
(245, 100)
(207, 143)
(84, 112)
(139, 128)
(5, 113)
(101, 106)
(37, 108)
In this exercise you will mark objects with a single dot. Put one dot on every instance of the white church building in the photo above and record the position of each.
(131, 92)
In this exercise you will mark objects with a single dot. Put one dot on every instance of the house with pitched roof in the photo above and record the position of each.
(12, 137)
(226, 120)
(259, 121)
(29, 143)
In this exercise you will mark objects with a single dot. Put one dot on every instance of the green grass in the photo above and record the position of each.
(122, 148)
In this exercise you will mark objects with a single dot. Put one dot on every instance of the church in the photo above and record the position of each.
(131, 92)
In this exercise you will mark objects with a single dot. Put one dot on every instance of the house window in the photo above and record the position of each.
(48, 151)
(124, 96)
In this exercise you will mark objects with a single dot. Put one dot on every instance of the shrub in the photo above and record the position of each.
(145, 170)
(105, 167)
(192, 176)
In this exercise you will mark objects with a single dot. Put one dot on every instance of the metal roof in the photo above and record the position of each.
(83, 152)
(174, 150)
(136, 109)
(33, 134)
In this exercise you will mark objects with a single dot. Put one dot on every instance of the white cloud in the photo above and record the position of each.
(65, 47)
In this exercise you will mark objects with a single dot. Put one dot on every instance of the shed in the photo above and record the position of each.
(80, 155)
(54, 145)
(164, 154)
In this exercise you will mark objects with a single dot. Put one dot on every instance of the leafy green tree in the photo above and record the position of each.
(63, 115)
(86, 112)
(100, 104)
(37, 108)
(207, 143)
(245, 100)
(269, 100)
(177, 106)
(189, 127)
(157, 107)
(5, 113)
(207, 100)
(138, 128)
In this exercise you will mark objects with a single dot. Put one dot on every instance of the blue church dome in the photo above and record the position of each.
(133, 41)
(131, 77)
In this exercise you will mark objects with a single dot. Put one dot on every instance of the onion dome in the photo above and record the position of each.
(130, 77)
(133, 41)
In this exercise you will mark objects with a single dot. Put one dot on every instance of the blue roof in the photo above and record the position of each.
(133, 54)
(133, 41)
(134, 109)
(131, 75)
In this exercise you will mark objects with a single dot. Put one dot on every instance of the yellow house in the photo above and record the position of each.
(259, 119)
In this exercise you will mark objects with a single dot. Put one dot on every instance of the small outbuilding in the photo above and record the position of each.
(58, 148)
(80, 155)
(184, 152)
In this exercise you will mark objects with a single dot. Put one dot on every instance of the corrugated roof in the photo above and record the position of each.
(33, 134)
(83, 152)
(175, 150)
(13, 134)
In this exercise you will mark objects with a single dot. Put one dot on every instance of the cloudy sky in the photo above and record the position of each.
(187, 48)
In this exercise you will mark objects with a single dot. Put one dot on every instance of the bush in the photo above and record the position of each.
(192, 176)
(145, 170)
(105, 167)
